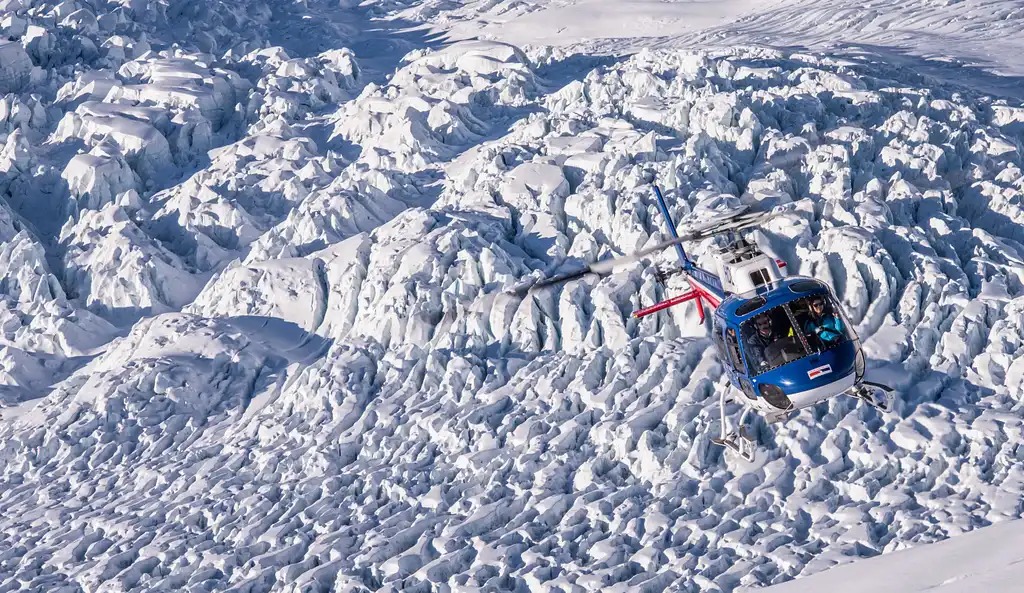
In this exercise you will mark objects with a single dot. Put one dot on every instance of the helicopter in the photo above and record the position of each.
(784, 341)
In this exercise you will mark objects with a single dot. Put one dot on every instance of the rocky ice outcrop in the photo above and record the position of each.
(182, 82)
(36, 319)
(434, 104)
(118, 271)
(135, 138)
(292, 88)
(249, 186)
(294, 290)
(97, 177)
(15, 67)
(355, 201)
(159, 111)
(26, 115)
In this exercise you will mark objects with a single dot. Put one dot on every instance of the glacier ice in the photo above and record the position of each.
(266, 338)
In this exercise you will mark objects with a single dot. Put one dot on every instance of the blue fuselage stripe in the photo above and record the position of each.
(709, 281)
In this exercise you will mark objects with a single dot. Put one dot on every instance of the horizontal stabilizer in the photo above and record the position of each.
(685, 297)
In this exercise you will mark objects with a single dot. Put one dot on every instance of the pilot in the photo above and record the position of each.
(825, 325)
(758, 341)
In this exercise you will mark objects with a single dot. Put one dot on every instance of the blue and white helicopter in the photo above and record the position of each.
(785, 342)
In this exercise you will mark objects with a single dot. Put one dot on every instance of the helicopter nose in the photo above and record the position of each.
(810, 397)
(804, 399)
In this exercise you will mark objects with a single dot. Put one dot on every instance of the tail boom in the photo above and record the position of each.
(708, 284)
(704, 286)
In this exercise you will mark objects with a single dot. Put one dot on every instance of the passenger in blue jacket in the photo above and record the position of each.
(828, 327)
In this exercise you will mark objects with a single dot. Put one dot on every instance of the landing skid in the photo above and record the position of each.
(742, 444)
(738, 442)
(875, 395)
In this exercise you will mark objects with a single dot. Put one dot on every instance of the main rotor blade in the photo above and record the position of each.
(607, 265)
(740, 222)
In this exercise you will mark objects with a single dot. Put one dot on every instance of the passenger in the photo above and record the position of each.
(758, 341)
(827, 326)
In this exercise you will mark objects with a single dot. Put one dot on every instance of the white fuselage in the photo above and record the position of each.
(803, 399)
(743, 270)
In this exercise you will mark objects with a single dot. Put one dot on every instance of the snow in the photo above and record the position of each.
(259, 328)
(134, 139)
(987, 559)
(15, 66)
(118, 270)
(947, 40)
(97, 177)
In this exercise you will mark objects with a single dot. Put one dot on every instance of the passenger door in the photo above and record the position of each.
(732, 346)
(719, 339)
(735, 359)
(738, 370)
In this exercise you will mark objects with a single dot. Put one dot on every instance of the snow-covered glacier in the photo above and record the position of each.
(261, 329)
(986, 559)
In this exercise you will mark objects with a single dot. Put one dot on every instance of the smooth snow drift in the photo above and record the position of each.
(258, 327)
(989, 560)
(953, 41)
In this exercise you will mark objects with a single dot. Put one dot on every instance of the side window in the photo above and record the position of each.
(759, 277)
(747, 388)
(733, 347)
(719, 343)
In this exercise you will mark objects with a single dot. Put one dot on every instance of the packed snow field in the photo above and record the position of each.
(260, 333)
(949, 39)
(989, 560)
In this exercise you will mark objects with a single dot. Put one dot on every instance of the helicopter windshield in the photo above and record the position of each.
(791, 331)
(821, 321)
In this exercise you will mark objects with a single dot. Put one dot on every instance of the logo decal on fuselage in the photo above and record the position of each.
(822, 370)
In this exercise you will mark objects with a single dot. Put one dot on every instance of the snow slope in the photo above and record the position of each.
(987, 560)
(950, 40)
(258, 333)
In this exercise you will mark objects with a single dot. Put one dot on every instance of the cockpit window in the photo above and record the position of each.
(770, 340)
(821, 321)
(789, 332)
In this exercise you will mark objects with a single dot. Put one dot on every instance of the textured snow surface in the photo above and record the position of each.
(256, 332)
